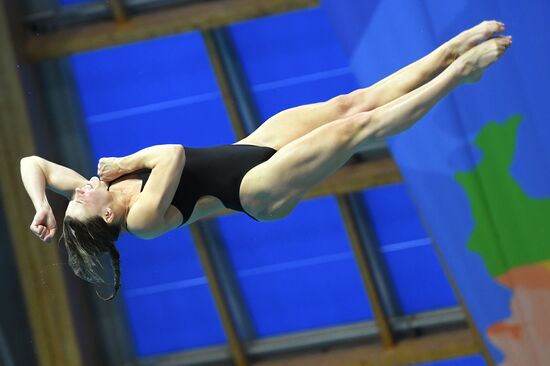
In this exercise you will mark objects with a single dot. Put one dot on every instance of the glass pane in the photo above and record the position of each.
(412, 263)
(296, 273)
(292, 59)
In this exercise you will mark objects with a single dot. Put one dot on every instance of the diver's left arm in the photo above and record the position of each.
(37, 174)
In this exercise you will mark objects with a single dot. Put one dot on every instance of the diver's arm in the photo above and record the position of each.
(108, 169)
(34, 182)
(38, 174)
(151, 215)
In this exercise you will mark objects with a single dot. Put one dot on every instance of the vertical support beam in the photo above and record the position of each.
(385, 287)
(228, 280)
(243, 118)
(43, 286)
(366, 271)
(224, 85)
(237, 348)
(119, 10)
(238, 83)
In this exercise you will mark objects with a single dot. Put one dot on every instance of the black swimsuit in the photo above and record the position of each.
(214, 171)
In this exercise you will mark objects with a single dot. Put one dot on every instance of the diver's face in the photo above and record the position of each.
(89, 200)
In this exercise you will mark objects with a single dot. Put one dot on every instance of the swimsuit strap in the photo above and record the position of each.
(142, 173)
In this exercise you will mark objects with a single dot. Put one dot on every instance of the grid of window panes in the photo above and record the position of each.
(295, 274)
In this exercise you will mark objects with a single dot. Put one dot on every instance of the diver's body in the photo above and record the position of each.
(299, 147)
(211, 174)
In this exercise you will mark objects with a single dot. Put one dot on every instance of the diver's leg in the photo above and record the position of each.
(428, 67)
(293, 123)
(272, 189)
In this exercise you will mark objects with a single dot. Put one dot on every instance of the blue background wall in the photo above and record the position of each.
(394, 33)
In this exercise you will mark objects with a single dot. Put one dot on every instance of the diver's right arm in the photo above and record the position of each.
(110, 168)
(150, 215)
(37, 174)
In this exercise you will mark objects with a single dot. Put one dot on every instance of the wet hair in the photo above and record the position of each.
(86, 242)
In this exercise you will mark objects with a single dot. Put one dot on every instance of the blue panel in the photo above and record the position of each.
(159, 277)
(286, 46)
(166, 259)
(275, 97)
(291, 60)
(143, 74)
(299, 272)
(431, 153)
(464, 361)
(413, 266)
(350, 19)
(418, 278)
(75, 2)
(174, 320)
(183, 124)
(393, 214)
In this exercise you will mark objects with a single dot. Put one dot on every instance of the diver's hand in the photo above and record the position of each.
(109, 169)
(43, 225)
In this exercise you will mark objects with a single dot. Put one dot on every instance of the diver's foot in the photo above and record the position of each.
(475, 61)
(470, 38)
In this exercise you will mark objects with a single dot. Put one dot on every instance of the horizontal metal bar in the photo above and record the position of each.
(72, 15)
(314, 339)
(348, 179)
(436, 318)
(209, 355)
(354, 332)
(151, 24)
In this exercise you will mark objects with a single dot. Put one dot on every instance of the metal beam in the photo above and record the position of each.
(44, 289)
(365, 268)
(196, 16)
(355, 177)
(427, 348)
(224, 85)
(351, 178)
(362, 222)
(317, 341)
(233, 73)
(237, 348)
(228, 280)
(119, 10)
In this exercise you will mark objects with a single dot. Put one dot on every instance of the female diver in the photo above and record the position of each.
(264, 175)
